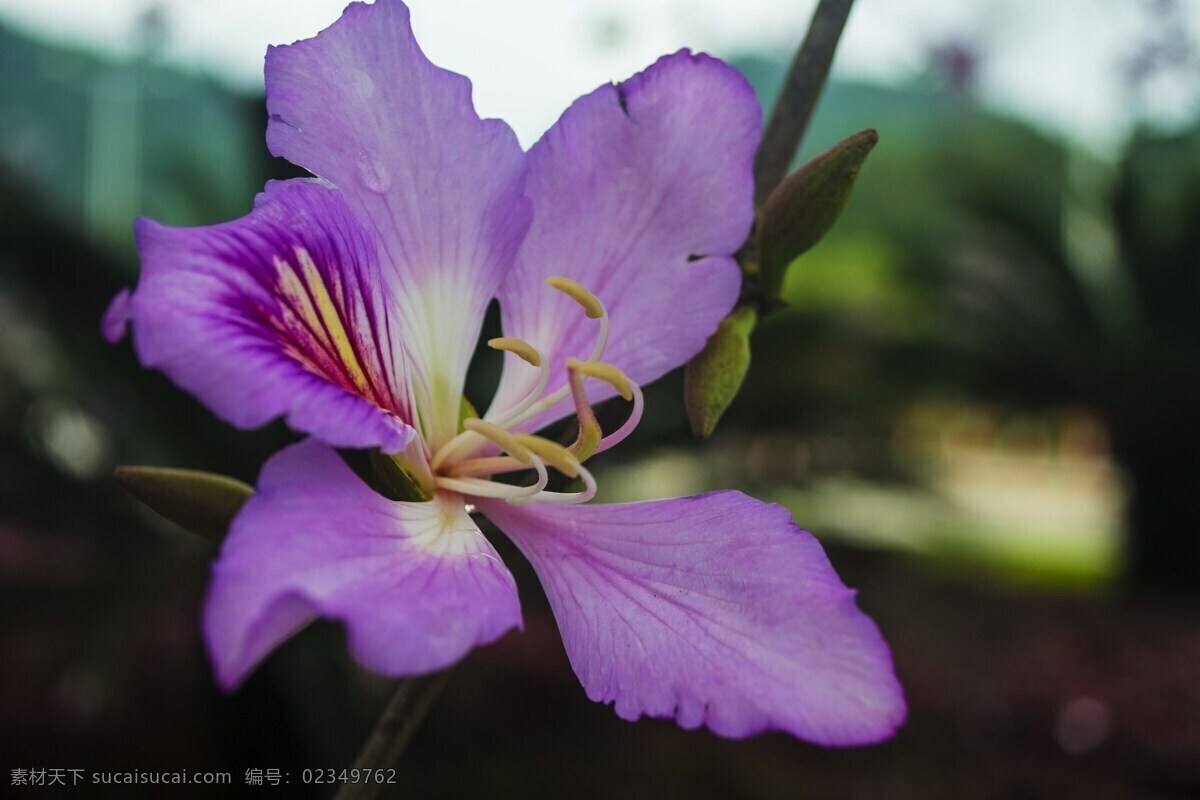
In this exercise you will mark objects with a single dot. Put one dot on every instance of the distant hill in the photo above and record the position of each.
(100, 141)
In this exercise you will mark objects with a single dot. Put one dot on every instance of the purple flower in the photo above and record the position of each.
(350, 305)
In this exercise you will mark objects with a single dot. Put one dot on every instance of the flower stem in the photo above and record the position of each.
(383, 748)
(798, 97)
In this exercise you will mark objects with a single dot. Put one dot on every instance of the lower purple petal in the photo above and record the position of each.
(416, 584)
(715, 610)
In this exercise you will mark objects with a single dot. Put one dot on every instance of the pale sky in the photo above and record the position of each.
(1056, 62)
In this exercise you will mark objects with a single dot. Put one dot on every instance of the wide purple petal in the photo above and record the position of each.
(361, 106)
(641, 193)
(278, 313)
(714, 610)
(416, 584)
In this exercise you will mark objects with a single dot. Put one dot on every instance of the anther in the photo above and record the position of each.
(518, 347)
(605, 372)
(591, 304)
(552, 453)
(531, 406)
(502, 439)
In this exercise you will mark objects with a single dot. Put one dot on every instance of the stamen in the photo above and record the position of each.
(591, 304)
(450, 447)
(563, 498)
(602, 336)
(635, 416)
(502, 439)
(531, 398)
(485, 488)
(553, 453)
(530, 407)
(518, 347)
(483, 467)
(605, 372)
(525, 451)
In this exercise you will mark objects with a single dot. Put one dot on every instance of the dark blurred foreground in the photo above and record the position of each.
(1012, 694)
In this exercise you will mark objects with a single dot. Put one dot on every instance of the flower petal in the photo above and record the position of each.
(714, 610)
(641, 193)
(361, 106)
(416, 584)
(116, 317)
(278, 313)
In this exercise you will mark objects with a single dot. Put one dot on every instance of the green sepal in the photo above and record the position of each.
(805, 206)
(466, 411)
(202, 502)
(712, 379)
(386, 475)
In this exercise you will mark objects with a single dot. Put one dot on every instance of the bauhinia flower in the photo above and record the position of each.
(350, 305)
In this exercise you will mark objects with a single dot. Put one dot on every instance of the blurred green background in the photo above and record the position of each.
(982, 397)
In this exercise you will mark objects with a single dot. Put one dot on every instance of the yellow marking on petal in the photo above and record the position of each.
(501, 438)
(591, 304)
(291, 287)
(332, 320)
(552, 453)
(518, 347)
(607, 373)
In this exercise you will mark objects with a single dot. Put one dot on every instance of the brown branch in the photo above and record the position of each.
(395, 727)
(798, 97)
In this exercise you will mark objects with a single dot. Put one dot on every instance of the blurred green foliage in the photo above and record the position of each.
(98, 143)
(983, 258)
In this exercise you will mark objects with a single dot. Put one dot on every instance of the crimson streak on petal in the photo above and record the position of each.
(361, 106)
(278, 313)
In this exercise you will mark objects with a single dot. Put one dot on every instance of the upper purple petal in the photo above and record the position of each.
(714, 610)
(641, 193)
(361, 106)
(416, 584)
(278, 313)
